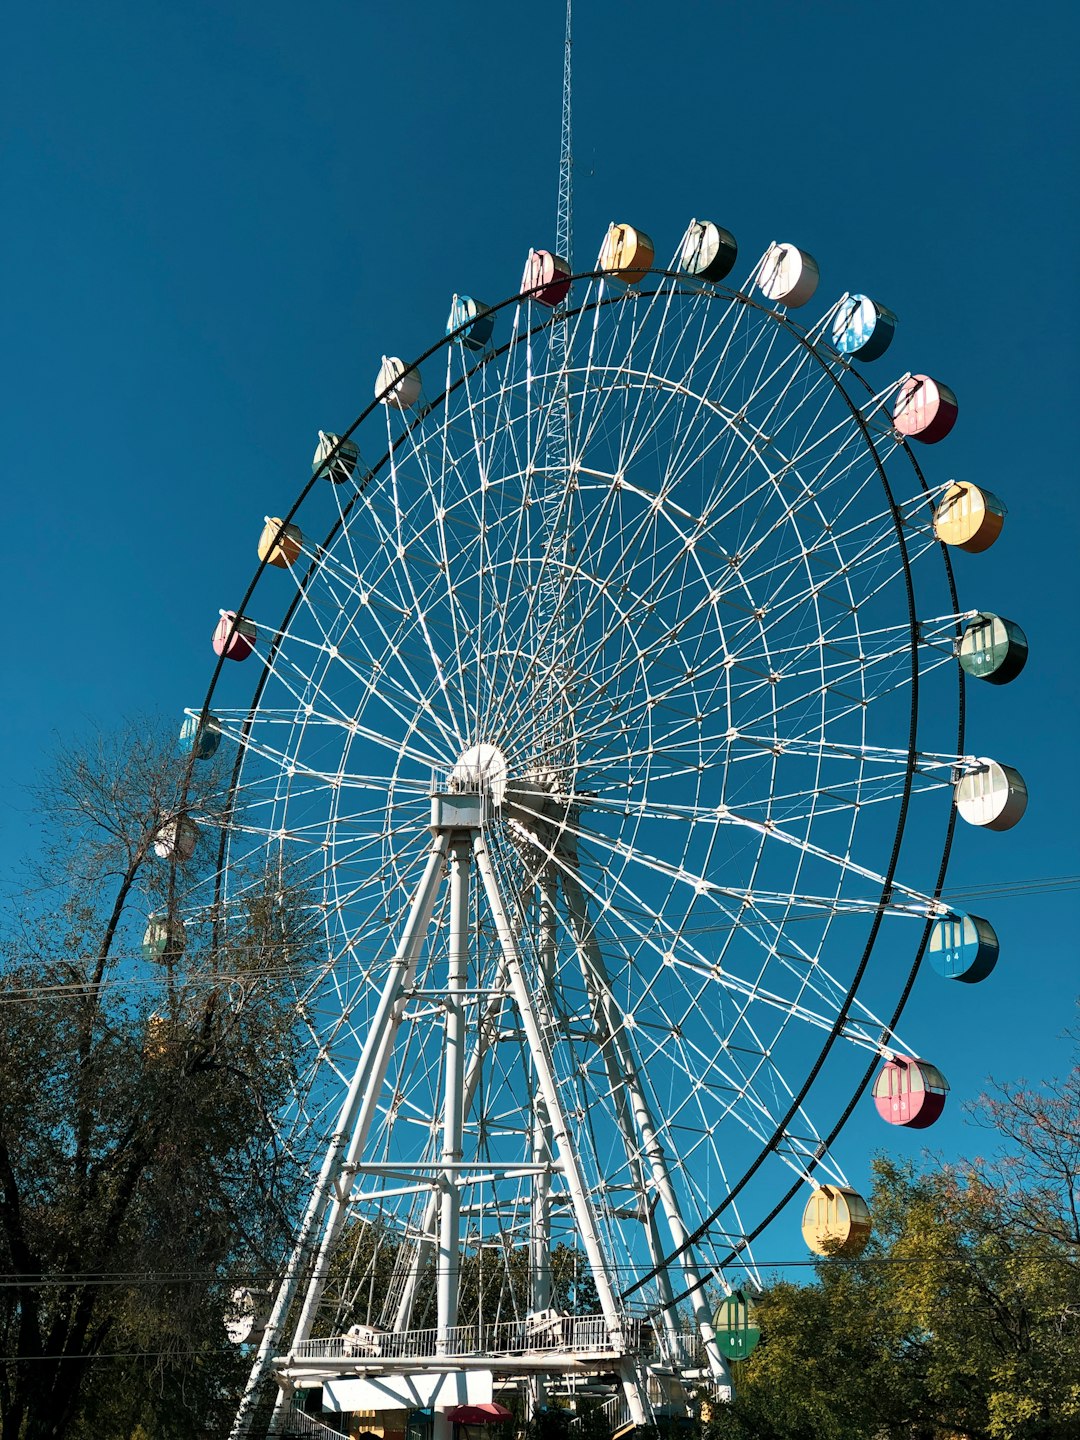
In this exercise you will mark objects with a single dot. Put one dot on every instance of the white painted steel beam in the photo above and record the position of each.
(562, 1140)
(628, 1082)
(540, 1199)
(449, 1252)
(346, 1145)
(473, 1071)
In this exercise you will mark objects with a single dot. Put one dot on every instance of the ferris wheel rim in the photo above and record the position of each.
(860, 1088)
(799, 335)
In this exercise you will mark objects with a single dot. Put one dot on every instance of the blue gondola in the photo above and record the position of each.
(475, 317)
(963, 947)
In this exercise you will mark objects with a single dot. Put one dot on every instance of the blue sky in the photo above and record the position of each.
(220, 217)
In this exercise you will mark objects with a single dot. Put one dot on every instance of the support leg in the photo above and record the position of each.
(486, 1030)
(528, 1005)
(614, 1033)
(449, 1253)
(540, 1211)
(326, 1208)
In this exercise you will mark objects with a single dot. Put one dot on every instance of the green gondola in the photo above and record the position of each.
(736, 1327)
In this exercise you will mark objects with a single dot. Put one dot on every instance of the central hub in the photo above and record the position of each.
(479, 788)
(480, 770)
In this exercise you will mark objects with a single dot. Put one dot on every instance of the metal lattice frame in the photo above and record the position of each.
(707, 816)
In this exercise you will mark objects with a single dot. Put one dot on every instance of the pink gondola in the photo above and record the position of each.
(234, 636)
(546, 278)
(925, 409)
(910, 1092)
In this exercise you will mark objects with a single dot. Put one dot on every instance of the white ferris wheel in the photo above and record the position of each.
(608, 707)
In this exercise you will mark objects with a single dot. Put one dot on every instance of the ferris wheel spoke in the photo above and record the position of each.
(618, 624)
(741, 379)
(530, 654)
(843, 678)
(627, 1070)
(794, 1008)
(813, 434)
(498, 395)
(767, 583)
(491, 598)
(741, 1102)
(673, 944)
(723, 816)
(648, 312)
(295, 681)
(657, 575)
(406, 546)
(732, 920)
(607, 380)
(300, 678)
(543, 641)
(830, 537)
(838, 568)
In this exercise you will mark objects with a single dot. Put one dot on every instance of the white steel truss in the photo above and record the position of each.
(704, 678)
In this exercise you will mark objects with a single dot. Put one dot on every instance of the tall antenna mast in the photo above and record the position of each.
(553, 596)
(564, 225)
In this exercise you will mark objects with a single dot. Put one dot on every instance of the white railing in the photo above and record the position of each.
(616, 1408)
(297, 1423)
(577, 1334)
(687, 1350)
(616, 1411)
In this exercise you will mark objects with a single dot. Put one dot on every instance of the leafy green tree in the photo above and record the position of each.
(962, 1317)
(137, 1177)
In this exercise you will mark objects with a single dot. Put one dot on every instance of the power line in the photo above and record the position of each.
(306, 971)
(260, 1281)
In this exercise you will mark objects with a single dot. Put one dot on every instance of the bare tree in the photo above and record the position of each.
(1039, 1169)
(137, 1172)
